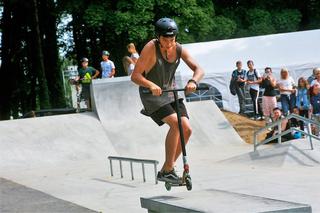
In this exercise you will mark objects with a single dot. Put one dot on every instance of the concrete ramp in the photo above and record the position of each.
(53, 140)
(64, 156)
(211, 200)
(288, 154)
(118, 106)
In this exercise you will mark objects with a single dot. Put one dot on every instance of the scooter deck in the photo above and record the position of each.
(176, 184)
(183, 182)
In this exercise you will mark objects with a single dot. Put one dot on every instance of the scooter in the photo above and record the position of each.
(185, 180)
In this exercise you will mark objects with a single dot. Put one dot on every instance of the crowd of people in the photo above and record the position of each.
(108, 70)
(302, 98)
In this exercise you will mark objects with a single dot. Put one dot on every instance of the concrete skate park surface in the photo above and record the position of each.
(66, 156)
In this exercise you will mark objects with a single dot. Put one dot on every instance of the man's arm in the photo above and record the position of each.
(273, 81)
(113, 72)
(113, 69)
(244, 79)
(258, 76)
(97, 72)
(198, 72)
(144, 64)
(258, 81)
(241, 80)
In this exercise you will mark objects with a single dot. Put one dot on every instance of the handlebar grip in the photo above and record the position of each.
(146, 91)
(203, 88)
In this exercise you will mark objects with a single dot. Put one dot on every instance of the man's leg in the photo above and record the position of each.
(254, 98)
(292, 102)
(241, 98)
(284, 104)
(173, 144)
(238, 92)
(172, 141)
(187, 131)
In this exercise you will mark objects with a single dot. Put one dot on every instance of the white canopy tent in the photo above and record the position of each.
(298, 51)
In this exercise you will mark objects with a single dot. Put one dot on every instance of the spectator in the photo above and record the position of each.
(253, 79)
(285, 125)
(107, 66)
(287, 91)
(313, 76)
(315, 107)
(238, 76)
(269, 100)
(294, 121)
(317, 76)
(128, 65)
(134, 54)
(303, 99)
(86, 74)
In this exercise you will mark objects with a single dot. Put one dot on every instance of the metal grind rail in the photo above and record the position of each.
(131, 161)
(278, 136)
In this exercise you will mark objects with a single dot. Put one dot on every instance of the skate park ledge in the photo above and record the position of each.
(213, 200)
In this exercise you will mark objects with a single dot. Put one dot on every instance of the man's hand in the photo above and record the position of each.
(240, 80)
(191, 87)
(155, 89)
(249, 82)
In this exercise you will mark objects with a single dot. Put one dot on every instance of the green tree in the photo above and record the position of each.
(222, 28)
(29, 58)
(287, 20)
(259, 22)
(194, 18)
(51, 56)
(39, 62)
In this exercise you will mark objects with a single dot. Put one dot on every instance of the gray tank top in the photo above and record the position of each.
(162, 74)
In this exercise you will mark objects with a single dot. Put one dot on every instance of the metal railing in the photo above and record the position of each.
(288, 131)
(131, 161)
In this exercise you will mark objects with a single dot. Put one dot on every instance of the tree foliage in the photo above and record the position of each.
(223, 28)
(287, 20)
(30, 39)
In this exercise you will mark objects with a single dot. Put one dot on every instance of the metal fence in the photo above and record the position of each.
(131, 161)
(203, 95)
(278, 136)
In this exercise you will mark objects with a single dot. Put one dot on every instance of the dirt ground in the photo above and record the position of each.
(244, 126)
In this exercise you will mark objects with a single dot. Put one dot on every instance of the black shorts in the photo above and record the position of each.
(85, 92)
(167, 110)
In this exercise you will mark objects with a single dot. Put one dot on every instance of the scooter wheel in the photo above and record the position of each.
(168, 186)
(188, 183)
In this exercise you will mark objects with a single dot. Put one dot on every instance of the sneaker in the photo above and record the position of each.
(171, 176)
(254, 118)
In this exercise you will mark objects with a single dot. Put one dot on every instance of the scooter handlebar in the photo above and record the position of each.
(147, 91)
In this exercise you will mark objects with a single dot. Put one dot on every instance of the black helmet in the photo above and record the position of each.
(166, 27)
(84, 59)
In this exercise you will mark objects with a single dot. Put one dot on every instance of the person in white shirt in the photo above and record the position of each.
(313, 76)
(287, 89)
(107, 66)
(253, 79)
(134, 53)
(317, 77)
